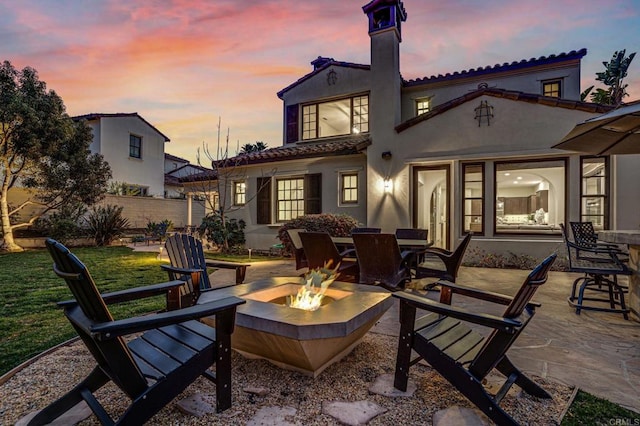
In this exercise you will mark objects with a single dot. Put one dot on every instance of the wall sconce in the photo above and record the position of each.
(388, 185)
(386, 155)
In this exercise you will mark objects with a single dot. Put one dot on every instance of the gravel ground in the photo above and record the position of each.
(348, 380)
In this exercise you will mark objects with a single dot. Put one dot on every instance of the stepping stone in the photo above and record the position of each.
(384, 386)
(256, 390)
(197, 405)
(459, 416)
(274, 416)
(352, 413)
(73, 416)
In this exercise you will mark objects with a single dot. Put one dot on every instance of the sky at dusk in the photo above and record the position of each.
(184, 64)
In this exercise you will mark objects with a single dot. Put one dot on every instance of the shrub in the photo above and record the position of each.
(64, 224)
(337, 225)
(214, 231)
(106, 223)
(159, 230)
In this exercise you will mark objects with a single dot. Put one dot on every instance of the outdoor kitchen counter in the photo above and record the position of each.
(632, 239)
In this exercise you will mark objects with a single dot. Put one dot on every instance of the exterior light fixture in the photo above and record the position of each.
(387, 184)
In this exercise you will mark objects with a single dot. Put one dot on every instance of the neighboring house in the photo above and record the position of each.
(174, 169)
(466, 151)
(134, 149)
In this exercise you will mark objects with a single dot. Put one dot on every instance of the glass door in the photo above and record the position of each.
(431, 202)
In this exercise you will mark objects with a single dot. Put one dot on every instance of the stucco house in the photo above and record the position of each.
(174, 169)
(134, 149)
(466, 151)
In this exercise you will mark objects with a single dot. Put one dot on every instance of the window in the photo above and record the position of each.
(135, 146)
(239, 193)
(349, 188)
(552, 88)
(136, 190)
(473, 213)
(594, 192)
(530, 196)
(422, 106)
(289, 198)
(335, 118)
(295, 196)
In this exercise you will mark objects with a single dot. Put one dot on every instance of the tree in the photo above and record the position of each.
(248, 148)
(43, 150)
(612, 77)
(225, 172)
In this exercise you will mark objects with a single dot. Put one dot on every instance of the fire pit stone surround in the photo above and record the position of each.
(305, 341)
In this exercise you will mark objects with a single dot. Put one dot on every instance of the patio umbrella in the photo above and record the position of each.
(616, 132)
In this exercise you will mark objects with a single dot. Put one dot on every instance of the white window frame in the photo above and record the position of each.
(240, 196)
(292, 205)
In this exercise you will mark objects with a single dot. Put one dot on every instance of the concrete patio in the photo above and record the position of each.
(595, 351)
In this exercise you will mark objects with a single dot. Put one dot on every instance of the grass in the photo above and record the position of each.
(30, 321)
(587, 409)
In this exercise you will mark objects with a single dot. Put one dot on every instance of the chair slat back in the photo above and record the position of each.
(459, 252)
(297, 249)
(412, 234)
(185, 251)
(535, 279)
(112, 355)
(379, 259)
(498, 342)
(319, 249)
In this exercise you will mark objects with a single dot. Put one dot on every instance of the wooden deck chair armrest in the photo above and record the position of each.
(132, 293)
(185, 271)
(489, 296)
(112, 329)
(499, 323)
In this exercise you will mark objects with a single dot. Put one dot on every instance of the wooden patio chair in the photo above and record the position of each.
(460, 354)
(297, 249)
(441, 263)
(320, 250)
(600, 268)
(381, 262)
(189, 265)
(152, 369)
(412, 234)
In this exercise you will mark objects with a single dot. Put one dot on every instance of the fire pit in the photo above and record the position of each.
(297, 339)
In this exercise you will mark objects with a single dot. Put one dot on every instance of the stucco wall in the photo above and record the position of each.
(264, 236)
(141, 210)
(111, 137)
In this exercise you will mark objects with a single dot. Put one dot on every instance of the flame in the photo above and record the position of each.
(316, 282)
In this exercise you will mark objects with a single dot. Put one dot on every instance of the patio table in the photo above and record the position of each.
(405, 244)
(632, 239)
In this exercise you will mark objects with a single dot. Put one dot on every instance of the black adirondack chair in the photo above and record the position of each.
(440, 263)
(320, 250)
(174, 350)
(461, 355)
(381, 262)
(189, 265)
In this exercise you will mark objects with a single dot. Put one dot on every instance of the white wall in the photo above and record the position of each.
(112, 136)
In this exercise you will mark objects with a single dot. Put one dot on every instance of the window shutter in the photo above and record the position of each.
(292, 123)
(263, 200)
(313, 193)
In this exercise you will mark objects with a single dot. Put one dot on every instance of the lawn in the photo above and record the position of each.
(30, 321)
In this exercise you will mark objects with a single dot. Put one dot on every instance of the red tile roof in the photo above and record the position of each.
(515, 65)
(506, 94)
(301, 150)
